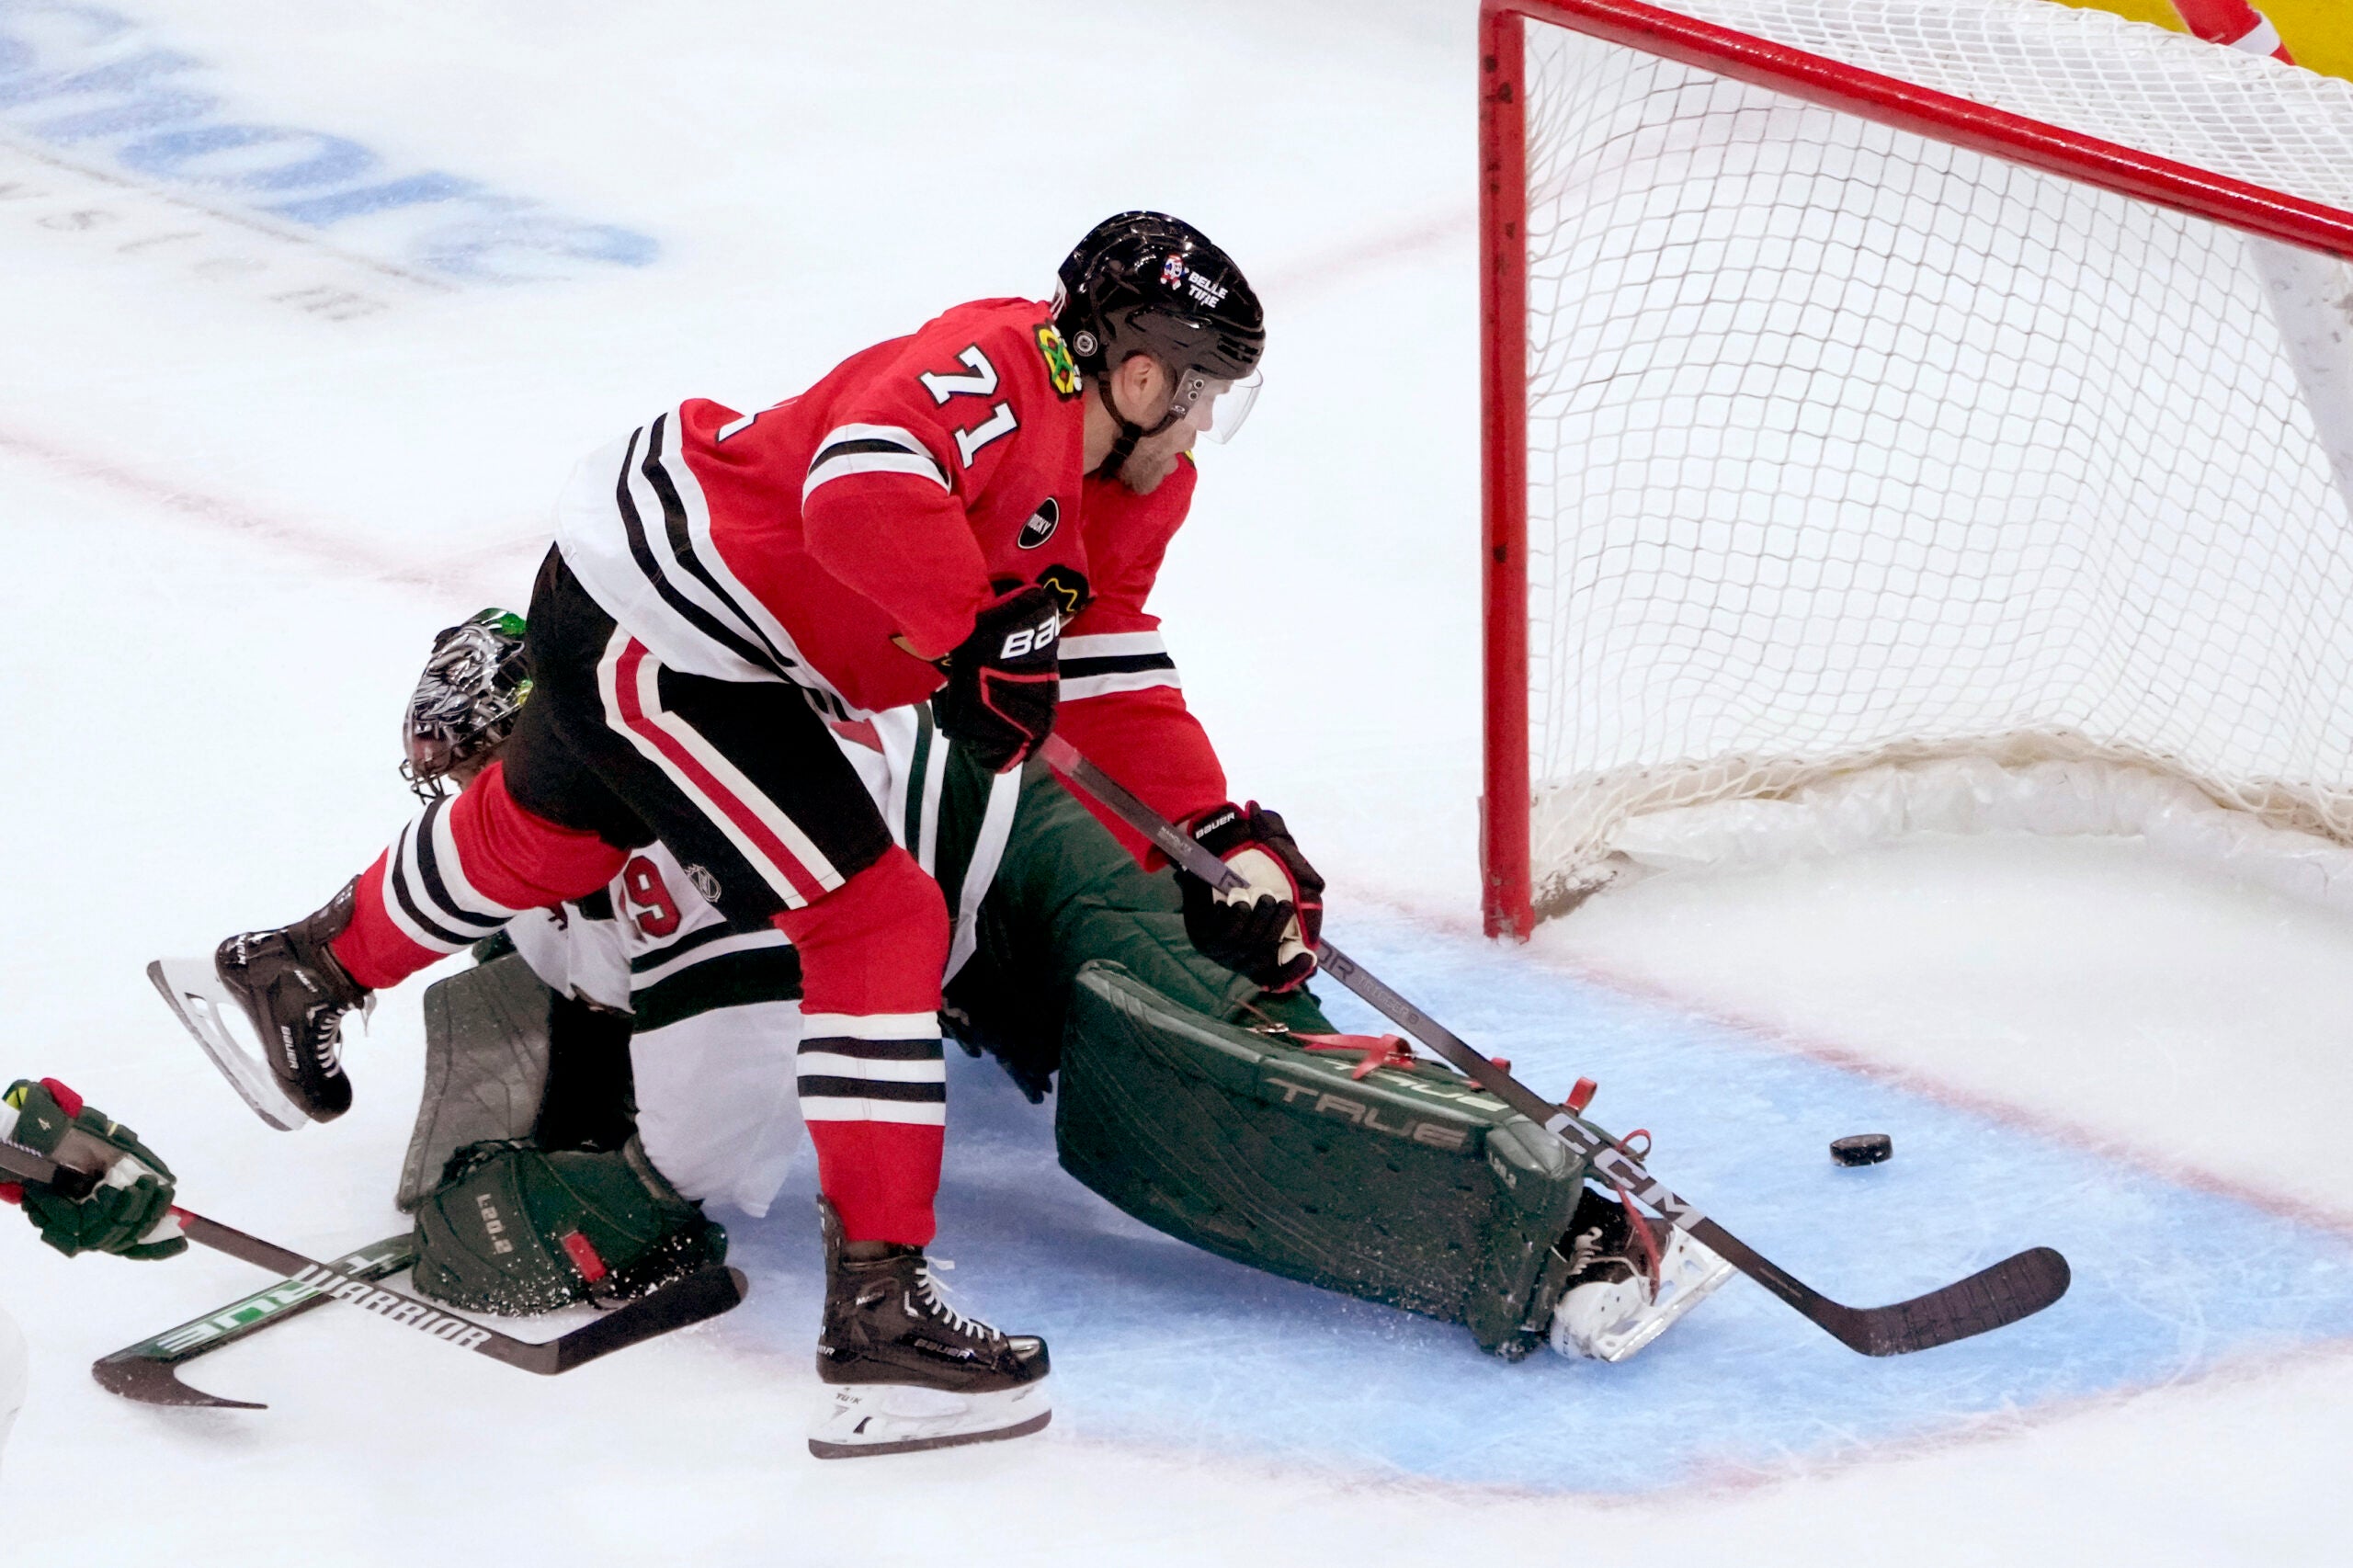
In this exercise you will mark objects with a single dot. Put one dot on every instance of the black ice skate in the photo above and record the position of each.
(1631, 1278)
(908, 1371)
(296, 994)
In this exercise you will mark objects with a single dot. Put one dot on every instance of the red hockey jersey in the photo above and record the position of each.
(891, 501)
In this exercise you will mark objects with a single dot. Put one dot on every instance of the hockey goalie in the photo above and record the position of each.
(614, 1064)
(786, 669)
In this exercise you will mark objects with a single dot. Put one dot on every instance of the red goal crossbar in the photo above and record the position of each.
(1506, 888)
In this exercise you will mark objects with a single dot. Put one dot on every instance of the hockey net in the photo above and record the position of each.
(1904, 414)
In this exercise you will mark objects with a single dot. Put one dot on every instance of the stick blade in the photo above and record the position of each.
(194, 993)
(151, 1381)
(1993, 1298)
(698, 1297)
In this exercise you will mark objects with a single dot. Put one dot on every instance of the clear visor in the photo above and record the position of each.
(1216, 408)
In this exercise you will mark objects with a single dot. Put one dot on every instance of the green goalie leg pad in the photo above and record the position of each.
(515, 1229)
(1409, 1187)
(1067, 893)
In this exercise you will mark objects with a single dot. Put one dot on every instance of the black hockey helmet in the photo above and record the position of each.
(1147, 283)
(467, 700)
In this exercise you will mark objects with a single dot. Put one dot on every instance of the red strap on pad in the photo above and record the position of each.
(583, 1257)
(1378, 1050)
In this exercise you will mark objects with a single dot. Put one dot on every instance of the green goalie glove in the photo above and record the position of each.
(128, 1212)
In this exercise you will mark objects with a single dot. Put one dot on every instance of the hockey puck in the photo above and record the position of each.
(1863, 1149)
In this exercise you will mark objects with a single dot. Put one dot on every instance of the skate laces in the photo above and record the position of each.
(933, 1294)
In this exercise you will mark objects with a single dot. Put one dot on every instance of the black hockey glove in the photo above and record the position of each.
(1268, 930)
(1003, 680)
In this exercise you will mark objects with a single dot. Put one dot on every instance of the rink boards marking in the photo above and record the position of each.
(1160, 1348)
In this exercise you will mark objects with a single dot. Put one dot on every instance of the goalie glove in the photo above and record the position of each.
(1003, 680)
(1268, 929)
(129, 1212)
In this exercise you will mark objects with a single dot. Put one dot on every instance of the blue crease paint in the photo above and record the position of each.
(1156, 1344)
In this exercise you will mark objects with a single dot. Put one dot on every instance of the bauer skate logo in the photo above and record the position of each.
(1361, 1113)
(392, 1306)
(1041, 524)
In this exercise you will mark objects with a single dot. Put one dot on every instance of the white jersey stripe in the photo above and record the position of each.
(739, 943)
(870, 1026)
(829, 1107)
(826, 1064)
(1083, 687)
(697, 508)
(432, 941)
(724, 814)
(870, 449)
(988, 849)
(1113, 644)
(453, 875)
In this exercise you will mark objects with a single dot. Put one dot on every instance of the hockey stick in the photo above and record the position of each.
(704, 1294)
(2015, 1287)
(149, 1370)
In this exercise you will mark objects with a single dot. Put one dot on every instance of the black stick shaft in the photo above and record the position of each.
(2009, 1291)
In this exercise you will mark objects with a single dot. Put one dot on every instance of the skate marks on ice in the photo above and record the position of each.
(116, 136)
(1162, 1347)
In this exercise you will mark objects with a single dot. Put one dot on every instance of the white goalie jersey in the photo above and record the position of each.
(715, 1002)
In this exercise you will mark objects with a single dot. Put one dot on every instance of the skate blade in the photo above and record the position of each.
(1689, 1286)
(873, 1419)
(196, 996)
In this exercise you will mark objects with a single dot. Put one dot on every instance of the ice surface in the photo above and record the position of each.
(234, 523)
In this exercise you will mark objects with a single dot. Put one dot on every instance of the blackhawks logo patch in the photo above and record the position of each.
(1061, 368)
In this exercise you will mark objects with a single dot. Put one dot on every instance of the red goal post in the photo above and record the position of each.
(1509, 891)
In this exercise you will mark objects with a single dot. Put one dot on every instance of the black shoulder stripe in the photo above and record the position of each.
(642, 553)
(682, 545)
(1115, 665)
(813, 1086)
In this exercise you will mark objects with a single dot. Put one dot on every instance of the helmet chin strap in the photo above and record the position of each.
(1130, 433)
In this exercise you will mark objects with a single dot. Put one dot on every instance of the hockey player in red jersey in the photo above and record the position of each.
(972, 515)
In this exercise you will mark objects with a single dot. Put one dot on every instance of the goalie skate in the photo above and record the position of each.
(194, 992)
(1616, 1302)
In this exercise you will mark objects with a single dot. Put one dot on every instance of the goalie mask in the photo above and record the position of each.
(466, 702)
(1147, 283)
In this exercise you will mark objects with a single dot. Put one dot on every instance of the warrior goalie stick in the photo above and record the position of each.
(701, 1295)
(149, 1370)
(2015, 1287)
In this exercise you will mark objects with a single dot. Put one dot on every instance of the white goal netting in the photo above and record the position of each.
(1852, 450)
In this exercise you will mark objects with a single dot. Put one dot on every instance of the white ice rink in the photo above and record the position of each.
(258, 442)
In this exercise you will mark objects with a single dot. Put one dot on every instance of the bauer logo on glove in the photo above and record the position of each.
(1003, 680)
(1268, 928)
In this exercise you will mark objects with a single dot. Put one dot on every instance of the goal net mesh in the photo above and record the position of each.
(1848, 448)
